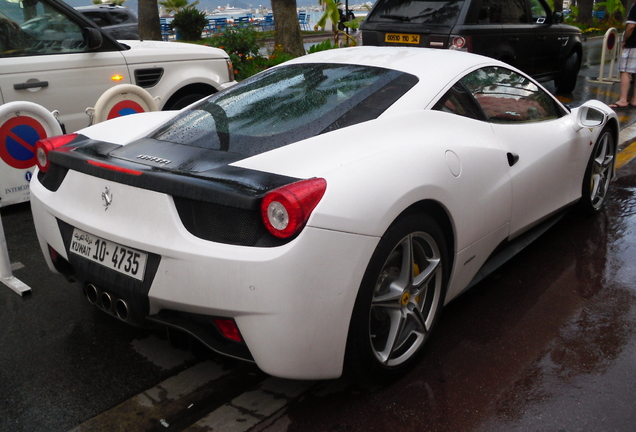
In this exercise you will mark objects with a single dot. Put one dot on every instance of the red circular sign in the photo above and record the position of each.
(124, 108)
(18, 136)
(611, 41)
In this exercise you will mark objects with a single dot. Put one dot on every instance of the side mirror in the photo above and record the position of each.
(557, 17)
(93, 38)
(589, 117)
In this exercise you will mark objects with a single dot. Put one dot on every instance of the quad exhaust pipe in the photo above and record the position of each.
(107, 301)
(121, 310)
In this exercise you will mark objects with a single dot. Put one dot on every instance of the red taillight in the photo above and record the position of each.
(286, 210)
(47, 145)
(460, 43)
(53, 253)
(228, 328)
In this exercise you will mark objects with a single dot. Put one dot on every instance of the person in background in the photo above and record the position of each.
(627, 62)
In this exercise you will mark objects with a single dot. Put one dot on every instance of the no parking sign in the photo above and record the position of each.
(22, 124)
(18, 136)
(122, 100)
(125, 108)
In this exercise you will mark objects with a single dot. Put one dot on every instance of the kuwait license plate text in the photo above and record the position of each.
(122, 259)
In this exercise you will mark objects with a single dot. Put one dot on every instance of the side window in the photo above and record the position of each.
(507, 97)
(485, 12)
(458, 100)
(99, 18)
(119, 17)
(36, 29)
(539, 13)
(514, 12)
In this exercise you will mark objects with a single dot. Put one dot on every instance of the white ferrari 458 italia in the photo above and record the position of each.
(320, 213)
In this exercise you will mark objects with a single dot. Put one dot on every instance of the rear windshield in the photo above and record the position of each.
(443, 12)
(285, 105)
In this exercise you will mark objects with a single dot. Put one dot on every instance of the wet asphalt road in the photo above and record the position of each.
(546, 344)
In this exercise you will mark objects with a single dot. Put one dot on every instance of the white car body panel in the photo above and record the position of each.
(348, 206)
(293, 303)
(75, 80)
(541, 166)
(123, 130)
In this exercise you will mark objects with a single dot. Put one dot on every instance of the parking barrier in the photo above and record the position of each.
(611, 50)
(22, 124)
(6, 275)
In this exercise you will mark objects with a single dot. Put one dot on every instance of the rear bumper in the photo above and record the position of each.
(291, 303)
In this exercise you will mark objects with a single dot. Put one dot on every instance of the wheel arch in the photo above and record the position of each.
(195, 88)
(578, 49)
(417, 216)
(613, 124)
(441, 216)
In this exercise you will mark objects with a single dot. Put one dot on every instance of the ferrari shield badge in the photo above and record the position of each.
(107, 197)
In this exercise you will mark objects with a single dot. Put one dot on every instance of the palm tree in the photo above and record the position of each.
(287, 27)
(148, 18)
(174, 6)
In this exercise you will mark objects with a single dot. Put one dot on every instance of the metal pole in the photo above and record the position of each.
(6, 276)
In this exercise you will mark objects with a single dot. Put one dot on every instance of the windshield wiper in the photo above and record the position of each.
(427, 13)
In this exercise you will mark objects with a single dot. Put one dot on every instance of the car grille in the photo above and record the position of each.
(224, 224)
(148, 77)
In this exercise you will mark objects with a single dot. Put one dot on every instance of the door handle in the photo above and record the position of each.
(512, 158)
(36, 84)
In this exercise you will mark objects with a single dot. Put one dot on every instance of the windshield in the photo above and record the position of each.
(285, 105)
(443, 12)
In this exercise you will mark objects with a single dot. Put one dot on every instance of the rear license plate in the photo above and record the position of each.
(402, 38)
(122, 259)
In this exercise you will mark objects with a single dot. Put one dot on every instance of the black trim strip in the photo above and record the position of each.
(221, 184)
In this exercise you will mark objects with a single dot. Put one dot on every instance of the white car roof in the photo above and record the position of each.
(429, 64)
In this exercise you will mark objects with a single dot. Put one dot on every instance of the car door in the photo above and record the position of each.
(548, 40)
(48, 60)
(541, 145)
(517, 32)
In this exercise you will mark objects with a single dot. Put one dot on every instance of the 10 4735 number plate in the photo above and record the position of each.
(122, 259)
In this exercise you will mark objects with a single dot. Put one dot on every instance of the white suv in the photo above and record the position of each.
(53, 56)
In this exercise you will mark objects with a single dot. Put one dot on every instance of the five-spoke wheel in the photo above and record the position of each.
(400, 298)
(599, 172)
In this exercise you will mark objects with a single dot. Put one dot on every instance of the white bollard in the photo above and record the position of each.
(6, 275)
(611, 44)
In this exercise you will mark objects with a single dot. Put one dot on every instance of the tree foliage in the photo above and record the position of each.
(190, 22)
(174, 6)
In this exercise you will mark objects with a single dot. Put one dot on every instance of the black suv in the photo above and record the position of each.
(523, 33)
(118, 21)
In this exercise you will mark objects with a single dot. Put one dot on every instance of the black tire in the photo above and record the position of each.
(389, 327)
(186, 100)
(569, 74)
(598, 173)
